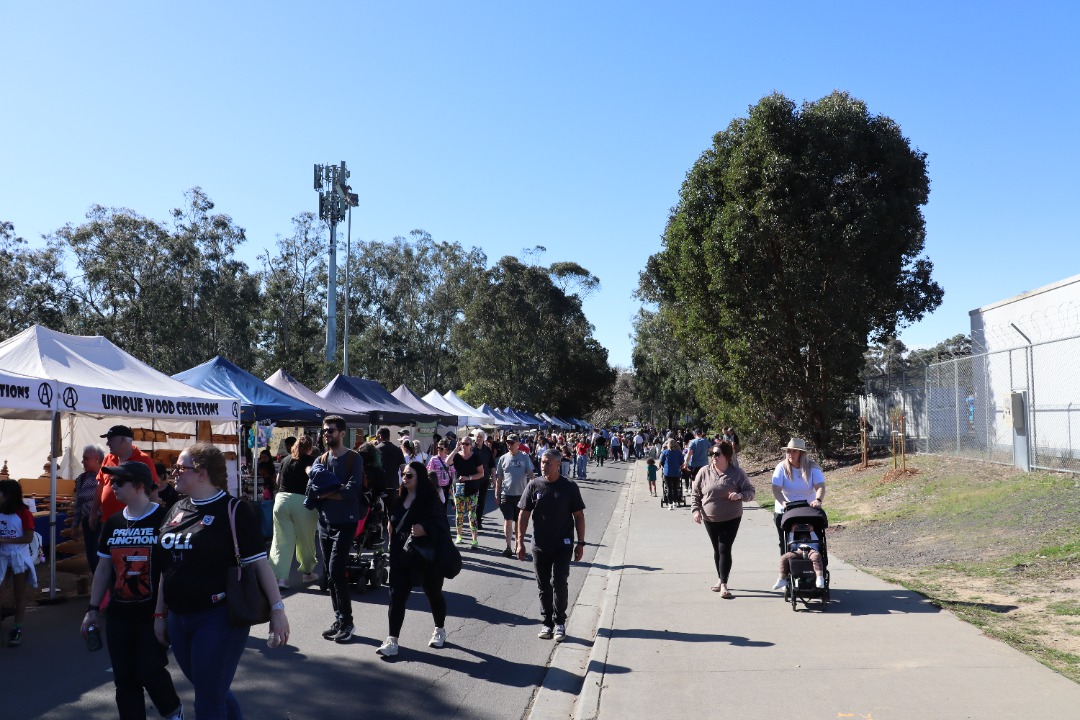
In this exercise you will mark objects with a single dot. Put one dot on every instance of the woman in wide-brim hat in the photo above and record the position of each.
(797, 477)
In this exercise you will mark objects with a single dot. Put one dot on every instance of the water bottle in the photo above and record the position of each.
(93, 638)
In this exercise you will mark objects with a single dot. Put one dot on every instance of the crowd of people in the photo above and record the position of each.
(163, 551)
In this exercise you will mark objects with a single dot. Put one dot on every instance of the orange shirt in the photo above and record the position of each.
(109, 504)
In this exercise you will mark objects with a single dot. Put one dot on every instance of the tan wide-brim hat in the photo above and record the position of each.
(796, 444)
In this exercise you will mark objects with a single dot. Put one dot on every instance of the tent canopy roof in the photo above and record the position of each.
(258, 401)
(89, 374)
(408, 397)
(289, 385)
(466, 410)
(367, 396)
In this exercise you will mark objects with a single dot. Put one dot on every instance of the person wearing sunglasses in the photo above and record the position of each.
(471, 474)
(335, 488)
(719, 491)
(197, 550)
(418, 518)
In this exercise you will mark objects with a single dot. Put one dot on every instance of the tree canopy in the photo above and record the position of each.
(797, 239)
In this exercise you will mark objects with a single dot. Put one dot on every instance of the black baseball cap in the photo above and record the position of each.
(119, 431)
(132, 471)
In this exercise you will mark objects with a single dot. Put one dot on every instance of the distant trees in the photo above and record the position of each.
(797, 238)
(427, 313)
(525, 342)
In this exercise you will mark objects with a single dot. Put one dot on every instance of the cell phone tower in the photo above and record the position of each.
(336, 201)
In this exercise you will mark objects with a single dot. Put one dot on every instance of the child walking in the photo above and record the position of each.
(16, 534)
(650, 466)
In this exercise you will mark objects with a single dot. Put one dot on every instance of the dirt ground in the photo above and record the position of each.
(998, 547)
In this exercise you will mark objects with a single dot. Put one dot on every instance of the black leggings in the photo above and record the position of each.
(401, 586)
(671, 489)
(722, 534)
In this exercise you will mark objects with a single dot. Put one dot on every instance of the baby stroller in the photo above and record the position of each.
(677, 497)
(369, 562)
(801, 578)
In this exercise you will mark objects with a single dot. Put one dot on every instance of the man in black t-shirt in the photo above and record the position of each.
(554, 502)
(487, 460)
(130, 569)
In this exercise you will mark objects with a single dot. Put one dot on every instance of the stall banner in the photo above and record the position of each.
(21, 392)
(132, 403)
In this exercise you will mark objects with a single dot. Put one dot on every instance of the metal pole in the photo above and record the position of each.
(331, 296)
(348, 257)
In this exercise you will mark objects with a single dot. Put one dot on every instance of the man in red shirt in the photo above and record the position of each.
(120, 440)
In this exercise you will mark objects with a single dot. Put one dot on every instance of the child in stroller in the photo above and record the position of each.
(804, 567)
(369, 562)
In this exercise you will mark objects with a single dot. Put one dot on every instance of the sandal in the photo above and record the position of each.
(715, 588)
(726, 594)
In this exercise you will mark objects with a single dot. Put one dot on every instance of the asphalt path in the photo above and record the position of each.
(491, 666)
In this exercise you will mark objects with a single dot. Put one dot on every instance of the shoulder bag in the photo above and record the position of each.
(244, 597)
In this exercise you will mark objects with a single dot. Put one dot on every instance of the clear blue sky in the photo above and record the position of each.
(506, 125)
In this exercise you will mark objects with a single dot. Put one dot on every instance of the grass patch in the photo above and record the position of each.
(1069, 607)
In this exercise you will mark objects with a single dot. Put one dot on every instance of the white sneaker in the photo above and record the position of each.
(545, 633)
(819, 582)
(780, 584)
(560, 633)
(283, 584)
(438, 638)
(389, 647)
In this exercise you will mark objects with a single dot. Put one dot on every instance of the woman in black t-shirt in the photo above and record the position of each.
(294, 524)
(197, 544)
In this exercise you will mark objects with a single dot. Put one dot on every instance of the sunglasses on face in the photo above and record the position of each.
(408, 475)
(177, 469)
(327, 431)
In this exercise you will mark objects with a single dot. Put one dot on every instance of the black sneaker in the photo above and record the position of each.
(331, 632)
(344, 634)
(508, 553)
(15, 637)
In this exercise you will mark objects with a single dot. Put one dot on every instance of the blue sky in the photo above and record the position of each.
(507, 125)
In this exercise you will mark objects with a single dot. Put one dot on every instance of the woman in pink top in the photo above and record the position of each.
(719, 490)
(442, 470)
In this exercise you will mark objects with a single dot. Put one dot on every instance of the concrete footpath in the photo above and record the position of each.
(648, 639)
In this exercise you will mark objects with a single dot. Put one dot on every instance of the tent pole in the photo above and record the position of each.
(55, 430)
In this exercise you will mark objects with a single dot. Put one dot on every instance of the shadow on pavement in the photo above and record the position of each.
(877, 602)
(676, 636)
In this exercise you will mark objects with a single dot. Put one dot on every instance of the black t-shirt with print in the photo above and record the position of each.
(552, 505)
(198, 550)
(464, 468)
(131, 545)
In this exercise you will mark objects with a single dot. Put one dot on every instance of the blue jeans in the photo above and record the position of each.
(208, 649)
(582, 465)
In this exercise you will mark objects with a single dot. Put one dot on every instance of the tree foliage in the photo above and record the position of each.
(797, 238)
(292, 333)
(407, 296)
(524, 342)
(172, 298)
(35, 288)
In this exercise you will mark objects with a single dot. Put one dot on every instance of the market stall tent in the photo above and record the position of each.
(289, 385)
(504, 422)
(408, 397)
(367, 396)
(454, 401)
(258, 401)
(83, 385)
(460, 420)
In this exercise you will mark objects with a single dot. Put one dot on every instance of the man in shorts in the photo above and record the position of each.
(513, 472)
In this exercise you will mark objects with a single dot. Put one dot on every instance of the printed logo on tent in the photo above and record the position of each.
(44, 394)
(70, 397)
(236, 409)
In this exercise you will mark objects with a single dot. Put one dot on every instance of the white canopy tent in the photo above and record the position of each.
(477, 417)
(61, 392)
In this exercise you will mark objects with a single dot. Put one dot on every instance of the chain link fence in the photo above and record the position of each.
(964, 406)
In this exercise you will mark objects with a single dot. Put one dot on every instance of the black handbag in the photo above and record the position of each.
(419, 548)
(244, 597)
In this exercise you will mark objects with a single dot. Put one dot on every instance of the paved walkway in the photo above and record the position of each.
(653, 642)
